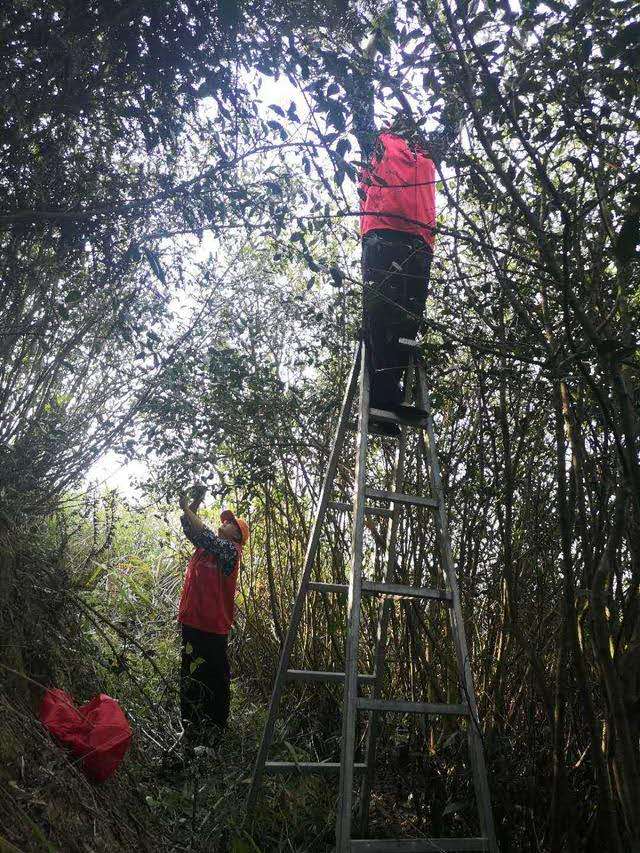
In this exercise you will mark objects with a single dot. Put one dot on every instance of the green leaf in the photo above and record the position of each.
(156, 266)
(489, 47)
(336, 276)
(195, 664)
(627, 37)
(343, 147)
(453, 808)
(292, 752)
(72, 296)
(628, 237)
(241, 845)
(479, 21)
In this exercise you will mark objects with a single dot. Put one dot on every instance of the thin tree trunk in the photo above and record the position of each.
(625, 750)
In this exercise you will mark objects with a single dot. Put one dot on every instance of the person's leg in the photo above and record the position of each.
(395, 268)
(218, 681)
(382, 284)
(416, 267)
(192, 680)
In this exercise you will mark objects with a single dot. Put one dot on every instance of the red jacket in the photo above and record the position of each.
(400, 182)
(208, 594)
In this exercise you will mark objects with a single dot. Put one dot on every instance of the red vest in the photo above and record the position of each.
(207, 599)
(400, 190)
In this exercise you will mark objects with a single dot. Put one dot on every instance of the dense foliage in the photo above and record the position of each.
(180, 282)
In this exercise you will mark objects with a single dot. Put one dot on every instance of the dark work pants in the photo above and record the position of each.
(205, 679)
(395, 272)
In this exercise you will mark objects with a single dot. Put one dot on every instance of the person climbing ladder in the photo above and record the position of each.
(397, 224)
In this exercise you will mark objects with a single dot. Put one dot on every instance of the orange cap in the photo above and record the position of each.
(241, 524)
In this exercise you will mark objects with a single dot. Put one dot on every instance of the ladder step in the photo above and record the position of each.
(312, 675)
(406, 591)
(307, 767)
(374, 588)
(399, 498)
(418, 845)
(401, 707)
(386, 417)
(328, 587)
(408, 343)
(369, 510)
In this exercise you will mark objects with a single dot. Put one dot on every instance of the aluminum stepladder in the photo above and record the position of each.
(356, 588)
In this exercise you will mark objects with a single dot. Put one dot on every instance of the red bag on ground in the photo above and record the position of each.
(97, 732)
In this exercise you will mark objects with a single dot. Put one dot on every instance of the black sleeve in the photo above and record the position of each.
(441, 141)
(361, 102)
(206, 539)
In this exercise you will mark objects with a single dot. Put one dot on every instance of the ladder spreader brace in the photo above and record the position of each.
(356, 588)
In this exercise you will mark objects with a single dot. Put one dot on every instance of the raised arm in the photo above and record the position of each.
(361, 103)
(203, 537)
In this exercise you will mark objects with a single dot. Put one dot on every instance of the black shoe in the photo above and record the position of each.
(386, 405)
(410, 413)
(382, 428)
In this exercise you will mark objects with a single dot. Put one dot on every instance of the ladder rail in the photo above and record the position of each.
(296, 615)
(476, 747)
(349, 709)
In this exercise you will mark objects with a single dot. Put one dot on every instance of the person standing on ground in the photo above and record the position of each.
(206, 614)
